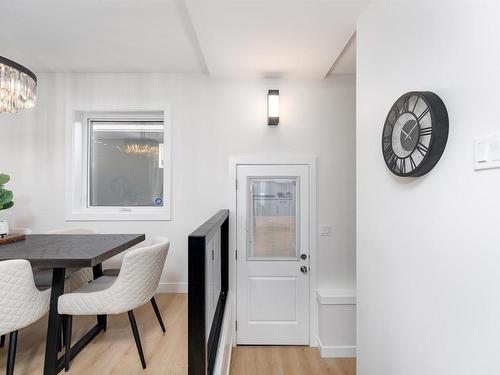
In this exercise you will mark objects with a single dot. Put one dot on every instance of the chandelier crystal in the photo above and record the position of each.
(17, 87)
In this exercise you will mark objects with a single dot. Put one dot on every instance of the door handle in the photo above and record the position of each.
(303, 269)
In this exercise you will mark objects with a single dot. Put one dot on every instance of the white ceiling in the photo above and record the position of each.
(99, 36)
(292, 38)
(233, 38)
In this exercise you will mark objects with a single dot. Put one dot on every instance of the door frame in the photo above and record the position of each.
(310, 161)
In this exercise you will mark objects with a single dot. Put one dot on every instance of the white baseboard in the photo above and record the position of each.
(336, 351)
(172, 288)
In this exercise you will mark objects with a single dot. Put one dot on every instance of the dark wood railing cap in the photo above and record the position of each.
(212, 225)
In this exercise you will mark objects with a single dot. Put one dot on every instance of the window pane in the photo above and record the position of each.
(273, 217)
(126, 163)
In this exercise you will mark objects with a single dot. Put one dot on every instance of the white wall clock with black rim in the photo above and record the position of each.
(415, 134)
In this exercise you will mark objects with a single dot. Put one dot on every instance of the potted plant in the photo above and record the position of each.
(5, 203)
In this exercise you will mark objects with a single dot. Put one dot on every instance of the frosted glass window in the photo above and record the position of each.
(273, 218)
(126, 163)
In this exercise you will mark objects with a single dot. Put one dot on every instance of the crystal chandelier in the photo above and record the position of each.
(17, 86)
(141, 148)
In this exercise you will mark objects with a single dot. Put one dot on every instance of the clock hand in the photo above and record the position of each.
(411, 131)
(405, 133)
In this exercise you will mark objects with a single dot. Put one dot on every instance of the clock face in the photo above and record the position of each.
(415, 134)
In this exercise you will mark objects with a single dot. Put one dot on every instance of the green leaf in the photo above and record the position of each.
(8, 205)
(5, 197)
(4, 178)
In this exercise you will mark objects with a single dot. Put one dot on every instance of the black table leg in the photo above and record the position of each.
(53, 330)
(53, 363)
(102, 320)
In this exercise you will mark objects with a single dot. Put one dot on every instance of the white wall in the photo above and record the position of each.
(428, 250)
(212, 120)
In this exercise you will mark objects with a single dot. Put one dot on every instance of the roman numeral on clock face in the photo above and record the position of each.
(422, 148)
(426, 131)
(415, 104)
(393, 163)
(388, 153)
(402, 166)
(423, 114)
(406, 104)
(412, 163)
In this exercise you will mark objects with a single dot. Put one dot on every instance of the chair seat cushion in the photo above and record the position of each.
(98, 285)
(94, 298)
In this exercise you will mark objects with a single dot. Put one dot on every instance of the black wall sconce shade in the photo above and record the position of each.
(273, 107)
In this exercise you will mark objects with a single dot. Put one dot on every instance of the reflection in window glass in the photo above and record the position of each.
(126, 163)
(273, 217)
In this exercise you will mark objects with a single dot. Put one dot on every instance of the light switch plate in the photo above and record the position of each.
(324, 230)
(487, 151)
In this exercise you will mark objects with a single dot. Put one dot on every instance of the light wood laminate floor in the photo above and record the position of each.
(114, 352)
(287, 360)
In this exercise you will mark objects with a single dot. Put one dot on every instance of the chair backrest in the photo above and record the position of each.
(20, 230)
(20, 300)
(140, 273)
(72, 231)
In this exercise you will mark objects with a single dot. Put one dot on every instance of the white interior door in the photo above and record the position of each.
(273, 254)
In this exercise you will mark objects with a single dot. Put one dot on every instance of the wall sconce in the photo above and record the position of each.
(273, 107)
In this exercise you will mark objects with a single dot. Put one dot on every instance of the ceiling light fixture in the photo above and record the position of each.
(273, 107)
(142, 147)
(17, 86)
(137, 148)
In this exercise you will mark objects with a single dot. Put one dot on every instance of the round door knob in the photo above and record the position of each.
(303, 256)
(303, 269)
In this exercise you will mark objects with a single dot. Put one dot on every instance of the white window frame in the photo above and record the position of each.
(77, 197)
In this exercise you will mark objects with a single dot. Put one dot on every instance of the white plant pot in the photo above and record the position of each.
(4, 228)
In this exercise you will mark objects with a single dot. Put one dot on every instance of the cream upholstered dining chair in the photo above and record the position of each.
(21, 303)
(14, 230)
(134, 286)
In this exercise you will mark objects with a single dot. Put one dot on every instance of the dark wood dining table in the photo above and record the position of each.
(59, 252)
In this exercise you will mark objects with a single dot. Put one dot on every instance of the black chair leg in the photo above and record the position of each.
(63, 331)
(60, 343)
(2, 341)
(68, 325)
(103, 321)
(12, 353)
(137, 339)
(157, 312)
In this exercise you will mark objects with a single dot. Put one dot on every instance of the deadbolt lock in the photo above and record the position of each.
(303, 256)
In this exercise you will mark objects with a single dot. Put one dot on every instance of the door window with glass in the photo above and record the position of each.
(273, 218)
